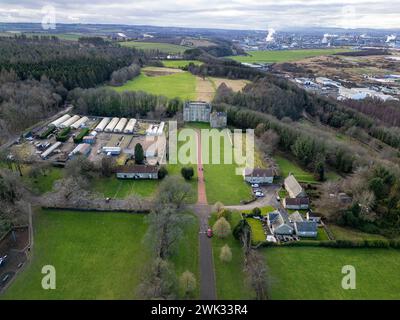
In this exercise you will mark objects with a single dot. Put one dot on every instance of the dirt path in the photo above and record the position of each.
(203, 210)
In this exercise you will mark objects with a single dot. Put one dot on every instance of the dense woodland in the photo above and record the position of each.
(84, 64)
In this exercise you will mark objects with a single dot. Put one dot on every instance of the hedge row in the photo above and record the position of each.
(336, 244)
(84, 132)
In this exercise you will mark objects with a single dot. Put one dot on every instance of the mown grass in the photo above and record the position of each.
(96, 256)
(163, 47)
(230, 277)
(257, 231)
(44, 182)
(285, 55)
(341, 233)
(316, 273)
(182, 85)
(179, 64)
(222, 182)
(121, 189)
(287, 167)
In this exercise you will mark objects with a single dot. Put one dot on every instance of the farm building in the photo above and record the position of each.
(196, 111)
(137, 172)
(60, 120)
(152, 130)
(307, 229)
(80, 123)
(50, 150)
(130, 126)
(102, 125)
(83, 149)
(111, 126)
(296, 203)
(70, 121)
(114, 151)
(258, 175)
(218, 120)
(294, 188)
(89, 139)
(121, 125)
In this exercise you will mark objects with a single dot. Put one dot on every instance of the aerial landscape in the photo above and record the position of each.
(224, 158)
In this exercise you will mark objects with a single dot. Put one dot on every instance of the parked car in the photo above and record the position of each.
(3, 260)
(209, 232)
(259, 194)
(255, 185)
(278, 198)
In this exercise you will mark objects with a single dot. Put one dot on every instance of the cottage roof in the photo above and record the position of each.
(137, 169)
(258, 172)
(296, 217)
(292, 186)
(306, 226)
(297, 201)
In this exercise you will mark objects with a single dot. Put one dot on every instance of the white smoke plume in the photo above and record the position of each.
(391, 38)
(270, 36)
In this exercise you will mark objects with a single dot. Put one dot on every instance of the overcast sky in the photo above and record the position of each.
(229, 14)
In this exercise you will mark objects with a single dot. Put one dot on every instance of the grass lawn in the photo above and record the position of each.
(264, 210)
(315, 273)
(187, 257)
(284, 55)
(230, 277)
(287, 166)
(257, 231)
(120, 189)
(179, 64)
(341, 233)
(182, 85)
(222, 182)
(96, 256)
(44, 183)
(163, 47)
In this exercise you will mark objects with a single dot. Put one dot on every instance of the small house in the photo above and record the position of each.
(138, 172)
(296, 203)
(278, 225)
(258, 175)
(306, 229)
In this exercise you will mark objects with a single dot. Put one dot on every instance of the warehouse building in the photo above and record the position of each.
(60, 120)
(50, 150)
(70, 121)
(121, 125)
(130, 126)
(80, 123)
(83, 149)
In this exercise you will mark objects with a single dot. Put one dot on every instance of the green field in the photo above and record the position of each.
(120, 189)
(96, 255)
(222, 182)
(230, 278)
(179, 64)
(286, 166)
(341, 233)
(315, 273)
(163, 47)
(284, 55)
(182, 85)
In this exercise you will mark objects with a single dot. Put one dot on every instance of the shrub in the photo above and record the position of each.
(218, 206)
(256, 212)
(224, 213)
(222, 228)
(187, 283)
(162, 172)
(139, 154)
(225, 254)
(187, 172)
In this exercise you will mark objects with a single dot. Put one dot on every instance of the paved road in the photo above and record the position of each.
(203, 210)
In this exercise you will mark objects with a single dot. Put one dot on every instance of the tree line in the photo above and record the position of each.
(108, 102)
